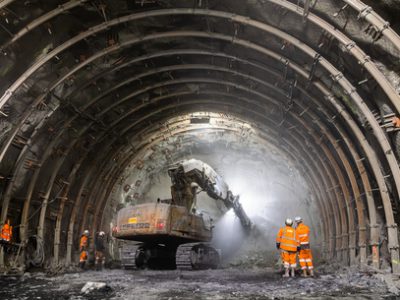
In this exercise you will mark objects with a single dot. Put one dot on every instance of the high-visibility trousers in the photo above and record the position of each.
(6, 234)
(288, 259)
(84, 256)
(305, 259)
(100, 258)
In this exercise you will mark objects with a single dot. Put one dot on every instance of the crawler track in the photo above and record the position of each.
(183, 256)
(128, 261)
(197, 256)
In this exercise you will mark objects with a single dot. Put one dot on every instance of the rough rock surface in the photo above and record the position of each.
(229, 283)
(91, 286)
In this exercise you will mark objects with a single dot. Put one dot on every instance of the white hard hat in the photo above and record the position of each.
(289, 222)
(102, 233)
(86, 232)
(298, 219)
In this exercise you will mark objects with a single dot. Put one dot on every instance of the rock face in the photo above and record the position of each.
(391, 2)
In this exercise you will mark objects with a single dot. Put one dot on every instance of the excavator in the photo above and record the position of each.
(171, 232)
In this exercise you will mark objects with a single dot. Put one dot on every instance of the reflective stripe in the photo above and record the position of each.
(302, 260)
(303, 232)
(310, 267)
(307, 260)
(286, 264)
(289, 245)
(293, 265)
(303, 268)
(288, 238)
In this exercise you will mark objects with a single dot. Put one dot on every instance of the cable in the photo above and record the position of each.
(41, 206)
(37, 258)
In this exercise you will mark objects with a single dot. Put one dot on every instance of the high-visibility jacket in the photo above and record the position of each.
(287, 238)
(303, 232)
(6, 232)
(84, 242)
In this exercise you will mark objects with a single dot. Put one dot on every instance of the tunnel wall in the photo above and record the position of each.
(89, 85)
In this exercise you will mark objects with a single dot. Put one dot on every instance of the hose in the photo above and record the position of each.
(36, 258)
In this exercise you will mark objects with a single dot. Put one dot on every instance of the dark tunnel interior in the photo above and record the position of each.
(295, 104)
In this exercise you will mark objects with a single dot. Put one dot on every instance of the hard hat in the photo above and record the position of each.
(86, 232)
(298, 219)
(101, 233)
(289, 222)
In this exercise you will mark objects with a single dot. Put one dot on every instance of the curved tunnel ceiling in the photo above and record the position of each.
(87, 87)
(234, 147)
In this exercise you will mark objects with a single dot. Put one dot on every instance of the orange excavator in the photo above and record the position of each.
(171, 232)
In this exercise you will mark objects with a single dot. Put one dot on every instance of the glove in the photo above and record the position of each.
(278, 246)
(298, 248)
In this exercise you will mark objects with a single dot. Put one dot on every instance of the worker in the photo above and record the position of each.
(288, 242)
(305, 256)
(6, 232)
(396, 122)
(99, 247)
(83, 248)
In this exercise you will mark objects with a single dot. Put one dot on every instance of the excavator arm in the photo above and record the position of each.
(187, 172)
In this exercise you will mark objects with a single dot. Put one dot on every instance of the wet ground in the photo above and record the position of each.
(230, 283)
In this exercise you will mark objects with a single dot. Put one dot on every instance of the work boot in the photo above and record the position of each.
(286, 273)
(312, 272)
(304, 274)
(82, 265)
(291, 272)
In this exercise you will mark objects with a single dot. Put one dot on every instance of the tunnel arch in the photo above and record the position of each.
(67, 128)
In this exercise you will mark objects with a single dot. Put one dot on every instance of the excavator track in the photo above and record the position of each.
(183, 256)
(197, 256)
(128, 259)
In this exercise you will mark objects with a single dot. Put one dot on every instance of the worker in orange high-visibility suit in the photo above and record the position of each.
(83, 248)
(6, 232)
(305, 256)
(288, 242)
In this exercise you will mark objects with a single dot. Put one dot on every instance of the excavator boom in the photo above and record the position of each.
(185, 173)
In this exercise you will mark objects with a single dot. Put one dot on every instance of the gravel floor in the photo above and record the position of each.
(230, 283)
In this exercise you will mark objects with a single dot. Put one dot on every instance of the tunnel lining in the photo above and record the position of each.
(346, 85)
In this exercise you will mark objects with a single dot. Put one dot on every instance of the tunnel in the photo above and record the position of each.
(295, 103)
